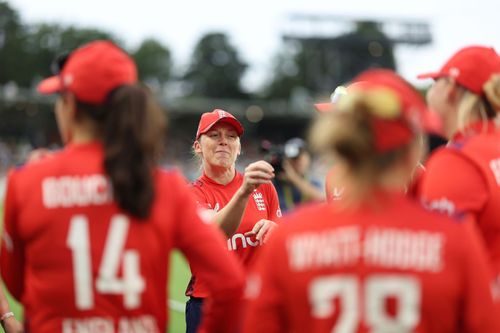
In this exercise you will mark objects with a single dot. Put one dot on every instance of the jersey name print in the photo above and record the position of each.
(76, 191)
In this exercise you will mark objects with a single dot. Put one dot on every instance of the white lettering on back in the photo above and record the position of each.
(76, 191)
(139, 324)
(381, 247)
(331, 248)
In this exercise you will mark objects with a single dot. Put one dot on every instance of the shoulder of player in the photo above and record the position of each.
(446, 158)
(441, 216)
(306, 215)
(38, 168)
(170, 176)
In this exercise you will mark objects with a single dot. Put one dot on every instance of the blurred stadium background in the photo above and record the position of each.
(317, 54)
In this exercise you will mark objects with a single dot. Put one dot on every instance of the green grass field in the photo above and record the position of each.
(179, 276)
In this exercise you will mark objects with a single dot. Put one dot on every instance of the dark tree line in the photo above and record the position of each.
(313, 65)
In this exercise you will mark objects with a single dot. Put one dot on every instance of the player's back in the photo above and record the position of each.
(387, 267)
(89, 266)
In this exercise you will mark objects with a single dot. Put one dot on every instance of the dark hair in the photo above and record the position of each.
(131, 127)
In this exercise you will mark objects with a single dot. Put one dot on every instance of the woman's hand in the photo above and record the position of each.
(262, 230)
(39, 154)
(11, 325)
(256, 174)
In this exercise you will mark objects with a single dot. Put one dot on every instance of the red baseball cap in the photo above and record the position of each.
(91, 72)
(471, 67)
(335, 96)
(209, 119)
(409, 117)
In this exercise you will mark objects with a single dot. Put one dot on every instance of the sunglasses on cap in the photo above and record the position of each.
(58, 63)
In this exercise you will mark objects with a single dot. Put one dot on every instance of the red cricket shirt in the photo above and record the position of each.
(263, 203)
(390, 266)
(78, 263)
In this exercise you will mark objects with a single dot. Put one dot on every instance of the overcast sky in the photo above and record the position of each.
(255, 26)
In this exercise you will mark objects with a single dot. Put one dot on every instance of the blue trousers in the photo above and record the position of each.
(193, 314)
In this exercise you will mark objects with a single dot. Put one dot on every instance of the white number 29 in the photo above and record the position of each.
(131, 285)
(377, 288)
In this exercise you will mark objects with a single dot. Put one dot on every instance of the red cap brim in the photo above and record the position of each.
(229, 120)
(432, 75)
(50, 85)
(324, 107)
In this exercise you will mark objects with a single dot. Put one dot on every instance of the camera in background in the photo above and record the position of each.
(274, 154)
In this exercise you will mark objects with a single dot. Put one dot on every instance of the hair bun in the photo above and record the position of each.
(492, 91)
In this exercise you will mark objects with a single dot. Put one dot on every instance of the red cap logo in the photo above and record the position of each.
(209, 119)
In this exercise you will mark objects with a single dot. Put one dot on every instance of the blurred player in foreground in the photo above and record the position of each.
(377, 261)
(244, 206)
(464, 176)
(89, 230)
(334, 186)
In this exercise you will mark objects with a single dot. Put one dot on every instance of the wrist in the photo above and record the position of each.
(6, 315)
(243, 193)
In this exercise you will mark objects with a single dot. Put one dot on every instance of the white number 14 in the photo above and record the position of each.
(131, 285)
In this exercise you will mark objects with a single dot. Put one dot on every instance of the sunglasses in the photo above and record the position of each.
(58, 63)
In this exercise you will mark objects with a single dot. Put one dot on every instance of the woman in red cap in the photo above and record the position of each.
(88, 231)
(245, 205)
(377, 261)
(464, 176)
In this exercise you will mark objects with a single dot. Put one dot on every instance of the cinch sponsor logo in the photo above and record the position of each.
(240, 240)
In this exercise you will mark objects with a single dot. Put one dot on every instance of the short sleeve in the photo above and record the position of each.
(199, 196)
(265, 290)
(274, 204)
(478, 307)
(12, 252)
(453, 183)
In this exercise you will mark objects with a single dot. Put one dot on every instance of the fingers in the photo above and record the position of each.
(38, 155)
(272, 227)
(260, 165)
(262, 230)
(255, 228)
(256, 174)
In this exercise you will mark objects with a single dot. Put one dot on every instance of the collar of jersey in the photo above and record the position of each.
(87, 145)
(475, 128)
(207, 179)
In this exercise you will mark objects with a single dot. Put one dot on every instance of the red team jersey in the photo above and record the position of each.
(79, 263)
(464, 177)
(388, 267)
(262, 204)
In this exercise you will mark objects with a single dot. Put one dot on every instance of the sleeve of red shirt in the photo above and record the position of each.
(266, 309)
(451, 176)
(199, 196)
(203, 246)
(274, 204)
(479, 315)
(12, 255)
